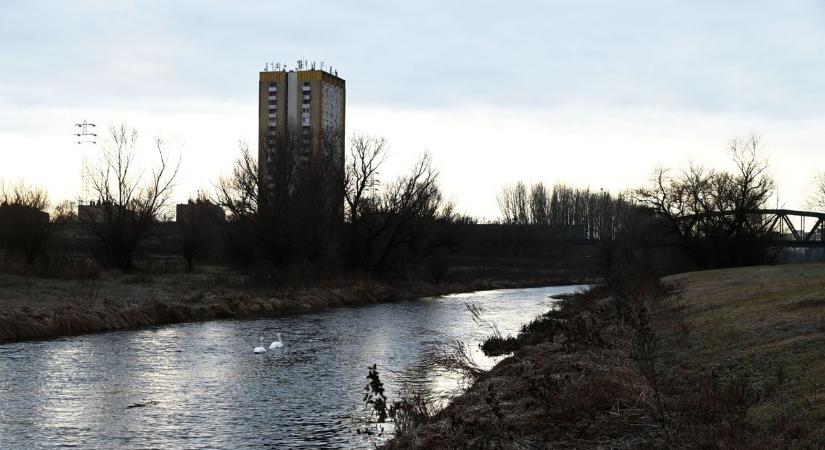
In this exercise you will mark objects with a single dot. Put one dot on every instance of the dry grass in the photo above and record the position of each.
(579, 387)
(730, 359)
(40, 308)
(755, 338)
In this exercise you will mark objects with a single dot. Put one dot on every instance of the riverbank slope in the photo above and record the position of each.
(730, 359)
(42, 308)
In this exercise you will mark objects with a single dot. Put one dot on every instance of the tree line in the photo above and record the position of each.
(706, 212)
(335, 210)
(331, 209)
(691, 201)
(599, 214)
(326, 208)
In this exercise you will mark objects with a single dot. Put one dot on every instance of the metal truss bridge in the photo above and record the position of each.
(780, 224)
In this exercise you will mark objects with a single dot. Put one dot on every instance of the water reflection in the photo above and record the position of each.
(198, 385)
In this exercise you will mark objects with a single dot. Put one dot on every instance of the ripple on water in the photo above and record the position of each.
(198, 385)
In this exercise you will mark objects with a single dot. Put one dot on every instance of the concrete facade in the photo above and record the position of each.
(305, 108)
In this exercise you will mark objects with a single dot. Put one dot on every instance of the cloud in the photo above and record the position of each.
(479, 150)
(702, 56)
(590, 92)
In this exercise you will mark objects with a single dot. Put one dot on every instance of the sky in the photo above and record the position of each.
(588, 92)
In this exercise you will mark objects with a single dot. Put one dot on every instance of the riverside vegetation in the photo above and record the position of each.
(710, 360)
(115, 263)
(728, 358)
(397, 232)
(95, 301)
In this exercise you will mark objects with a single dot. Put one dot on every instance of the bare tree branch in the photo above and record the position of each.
(126, 205)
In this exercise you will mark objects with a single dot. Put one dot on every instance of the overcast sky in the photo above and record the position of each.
(585, 92)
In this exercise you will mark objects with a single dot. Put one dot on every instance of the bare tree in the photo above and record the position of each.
(672, 198)
(238, 193)
(287, 207)
(598, 215)
(407, 208)
(366, 155)
(360, 186)
(399, 224)
(64, 212)
(303, 203)
(129, 200)
(20, 193)
(817, 197)
(754, 183)
(539, 204)
(513, 204)
(713, 213)
(305, 198)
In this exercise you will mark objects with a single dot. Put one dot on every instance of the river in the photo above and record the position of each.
(198, 385)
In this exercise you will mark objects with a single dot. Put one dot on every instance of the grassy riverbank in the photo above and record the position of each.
(40, 308)
(718, 359)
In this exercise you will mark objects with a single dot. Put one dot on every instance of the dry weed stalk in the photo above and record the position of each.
(453, 356)
(478, 311)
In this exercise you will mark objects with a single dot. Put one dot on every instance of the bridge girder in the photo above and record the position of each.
(801, 238)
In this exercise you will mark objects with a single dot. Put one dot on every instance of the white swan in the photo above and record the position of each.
(260, 348)
(276, 344)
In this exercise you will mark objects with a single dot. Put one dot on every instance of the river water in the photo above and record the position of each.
(198, 385)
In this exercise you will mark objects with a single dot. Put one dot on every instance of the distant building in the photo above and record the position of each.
(299, 108)
(94, 212)
(199, 211)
